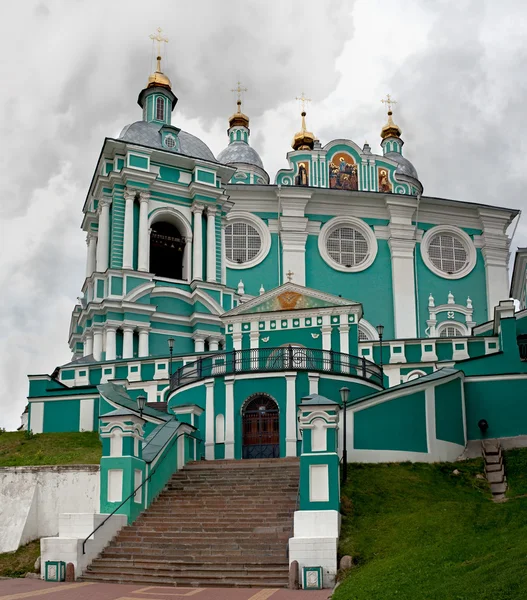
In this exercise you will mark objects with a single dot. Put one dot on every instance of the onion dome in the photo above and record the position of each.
(158, 78)
(303, 140)
(390, 129)
(238, 119)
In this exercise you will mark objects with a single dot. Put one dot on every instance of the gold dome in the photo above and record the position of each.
(238, 118)
(158, 78)
(303, 140)
(390, 129)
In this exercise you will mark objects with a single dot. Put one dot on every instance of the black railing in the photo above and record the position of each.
(285, 358)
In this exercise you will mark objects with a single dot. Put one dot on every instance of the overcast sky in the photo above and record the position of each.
(71, 72)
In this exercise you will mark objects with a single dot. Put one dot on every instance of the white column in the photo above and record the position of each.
(88, 344)
(237, 336)
(142, 250)
(223, 255)
(344, 330)
(209, 420)
(213, 344)
(91, 260)
(313, 382)
(143, 341)
(97, 344)
(199, 343)
(294, 252)
(197, 258)
(290, 416)
(211, 243)
(326, 332)
(229, 417)
(103, 235)
(111, 345)
(187, 259)
(254, 335)
(128, 235)
(128, 341)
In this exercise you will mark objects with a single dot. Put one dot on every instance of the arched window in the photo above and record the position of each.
(415, 375)
(166, 251)
(160, 108)
(452, 330)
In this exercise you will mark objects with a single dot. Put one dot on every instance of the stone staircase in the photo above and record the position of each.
(494, 469)
(217, 523)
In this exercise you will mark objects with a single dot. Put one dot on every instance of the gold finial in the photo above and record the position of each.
(390, 129)
(303, 99)
(238, 118)
(303, 140)
(159, 39)
(388, 101)
(239, 90)
(158, 78)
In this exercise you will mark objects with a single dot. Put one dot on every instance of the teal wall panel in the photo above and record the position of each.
(61, 415)
(449, 412)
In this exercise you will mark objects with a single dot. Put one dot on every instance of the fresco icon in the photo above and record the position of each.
(302, 176)
(384, 181)
(343, 174)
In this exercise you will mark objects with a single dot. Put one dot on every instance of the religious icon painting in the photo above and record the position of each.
(343, 172)
(302, 173)
(384, 181)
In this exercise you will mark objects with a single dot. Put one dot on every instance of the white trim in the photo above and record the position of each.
(261, 228)
(479, 378)
(463, 237)
(362, 227)
(465, 331)
(369, 330)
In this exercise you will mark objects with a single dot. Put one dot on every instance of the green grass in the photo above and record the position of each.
(17, 564)
(516, 471)
(18, 449)
(419, 532)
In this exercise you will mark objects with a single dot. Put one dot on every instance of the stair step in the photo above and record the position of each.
(264, 582)
(498, 488)
(496, 476)
(493, 467)
(491, 459)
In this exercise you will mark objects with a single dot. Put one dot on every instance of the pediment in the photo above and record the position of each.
(290, 297)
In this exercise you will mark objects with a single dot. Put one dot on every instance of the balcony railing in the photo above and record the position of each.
(285, 358)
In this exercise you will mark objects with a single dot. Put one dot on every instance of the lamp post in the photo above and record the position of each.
(141, 401)
(344, 395)
(380, 330)
(171, 350)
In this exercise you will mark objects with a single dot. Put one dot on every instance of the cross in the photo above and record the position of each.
(158, 38)
(303, 99)
(289, 275)
(389, 102)
(239, 89)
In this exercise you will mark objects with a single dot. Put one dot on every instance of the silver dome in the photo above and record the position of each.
(148, 134)
(240, 152)
(404, 167)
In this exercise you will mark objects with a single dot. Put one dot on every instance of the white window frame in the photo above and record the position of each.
(463, 237)
(359, 225)
(171, 137)
(156, 115)
(460, 326)
(263, 231)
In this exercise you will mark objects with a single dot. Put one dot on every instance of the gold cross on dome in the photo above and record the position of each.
(159, 39)
(289, 275)
(388, 101)
(239, 89)
(303, 99)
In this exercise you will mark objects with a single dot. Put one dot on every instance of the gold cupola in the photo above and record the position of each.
(238, 119)
(390, 129)
(304, 139)
(158, 78)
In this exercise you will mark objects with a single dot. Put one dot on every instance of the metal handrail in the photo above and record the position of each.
(283, 358)
(174, 439)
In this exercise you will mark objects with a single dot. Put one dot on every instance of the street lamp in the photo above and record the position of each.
(171, 350)
(344, 395)
(380, 329)
(141, 401)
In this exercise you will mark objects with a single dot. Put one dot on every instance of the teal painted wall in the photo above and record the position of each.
(449, 412)
(61, 415)
(398, 424)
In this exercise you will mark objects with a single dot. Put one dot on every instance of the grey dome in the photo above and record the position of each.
(148, 134)
(240, 152)
(405, 167)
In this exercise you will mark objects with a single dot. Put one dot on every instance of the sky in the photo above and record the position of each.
(72, 71)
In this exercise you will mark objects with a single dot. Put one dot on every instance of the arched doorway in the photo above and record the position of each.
(166, 250)
(261, 430)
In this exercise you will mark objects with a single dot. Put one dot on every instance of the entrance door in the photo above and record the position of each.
(261, 429)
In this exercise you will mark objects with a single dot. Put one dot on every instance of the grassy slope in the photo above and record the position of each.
(17, 564)
(419, 532)
(49, 449)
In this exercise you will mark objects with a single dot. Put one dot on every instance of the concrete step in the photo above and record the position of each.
(496, 476)
(493, 467)
(490, 447)
(498, 488)
(207, 564)
(492, 459)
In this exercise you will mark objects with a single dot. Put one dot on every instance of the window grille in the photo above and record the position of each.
(363, 336)
(160, 109)
(451, 331)
(170, 142)
(242, 242)
(347, 246)
(447, 253)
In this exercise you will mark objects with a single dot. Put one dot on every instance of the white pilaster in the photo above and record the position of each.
(223, 255)
(97, 344)
(128, 235)
(229, 417)
(88, 344)
(213, 344)
(344, 330)
(128, 341)
(187, 259)
(199, 343)
(197, 258)
(143, 243)
(209, 423)
(143, 341)
(290, 417)
(103, 235)
(313, 382)
(211, 243)
(294, 251)
(111, 345)
(237, 336)
(326, 332)
(402, 246)
(91, 260)
(254, 335)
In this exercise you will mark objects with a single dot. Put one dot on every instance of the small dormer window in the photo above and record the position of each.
(160, 108)
(170, 141)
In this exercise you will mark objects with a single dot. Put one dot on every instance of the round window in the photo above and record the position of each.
(447, 253)
(347, 246)
(242, 242)
(170, 141)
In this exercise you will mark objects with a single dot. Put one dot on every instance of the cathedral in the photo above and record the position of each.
(261, 315)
